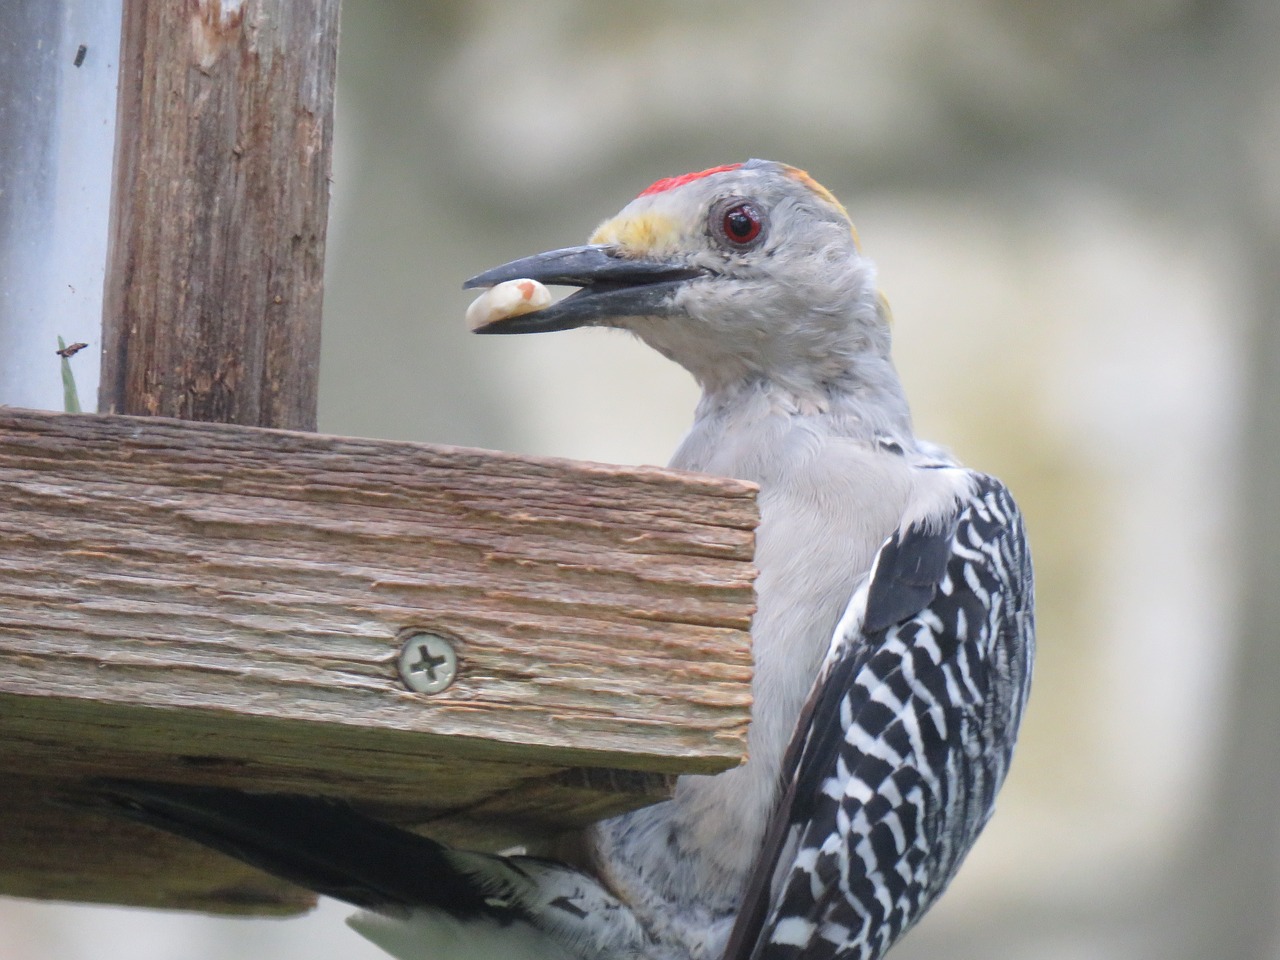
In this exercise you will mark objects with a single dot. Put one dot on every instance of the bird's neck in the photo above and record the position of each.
(758, 427)
(863, 393)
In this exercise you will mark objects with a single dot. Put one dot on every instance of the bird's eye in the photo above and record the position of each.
(741, 223)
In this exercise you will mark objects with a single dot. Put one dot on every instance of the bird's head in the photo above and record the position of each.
(744, 272)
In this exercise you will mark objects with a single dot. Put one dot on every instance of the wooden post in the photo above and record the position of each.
(215, 267)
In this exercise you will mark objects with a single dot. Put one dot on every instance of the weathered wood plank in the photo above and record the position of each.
(222, 604)
(219, 210)
(271, 573)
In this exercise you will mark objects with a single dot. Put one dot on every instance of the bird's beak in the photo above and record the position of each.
(612, 286)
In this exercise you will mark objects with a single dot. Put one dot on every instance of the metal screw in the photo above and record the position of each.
(427, 663)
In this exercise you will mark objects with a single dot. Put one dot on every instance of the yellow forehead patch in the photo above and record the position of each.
(640, 233)
(795, 173)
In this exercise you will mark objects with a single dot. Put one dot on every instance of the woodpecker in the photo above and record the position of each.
(893, 638)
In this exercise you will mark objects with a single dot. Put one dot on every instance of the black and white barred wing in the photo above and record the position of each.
(907, 737)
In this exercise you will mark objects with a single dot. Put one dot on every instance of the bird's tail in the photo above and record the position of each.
(413, 888)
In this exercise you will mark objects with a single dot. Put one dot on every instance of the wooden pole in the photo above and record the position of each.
(215, 265)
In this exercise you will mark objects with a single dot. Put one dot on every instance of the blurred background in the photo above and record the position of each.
(1076, 213)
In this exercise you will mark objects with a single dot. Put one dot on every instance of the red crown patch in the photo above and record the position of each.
(670, 183)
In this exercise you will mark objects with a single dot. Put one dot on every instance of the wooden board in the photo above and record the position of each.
(216, 259)
(222, 604)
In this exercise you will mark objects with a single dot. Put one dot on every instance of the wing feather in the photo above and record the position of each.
(905, 739)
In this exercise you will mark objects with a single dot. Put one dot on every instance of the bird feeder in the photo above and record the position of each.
(194, 588)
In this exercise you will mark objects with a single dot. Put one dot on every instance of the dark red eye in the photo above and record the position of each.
(741, 223)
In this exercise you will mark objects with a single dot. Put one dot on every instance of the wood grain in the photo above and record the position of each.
(219, 209)
(222, 604)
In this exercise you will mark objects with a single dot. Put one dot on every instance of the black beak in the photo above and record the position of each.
(612, 286)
